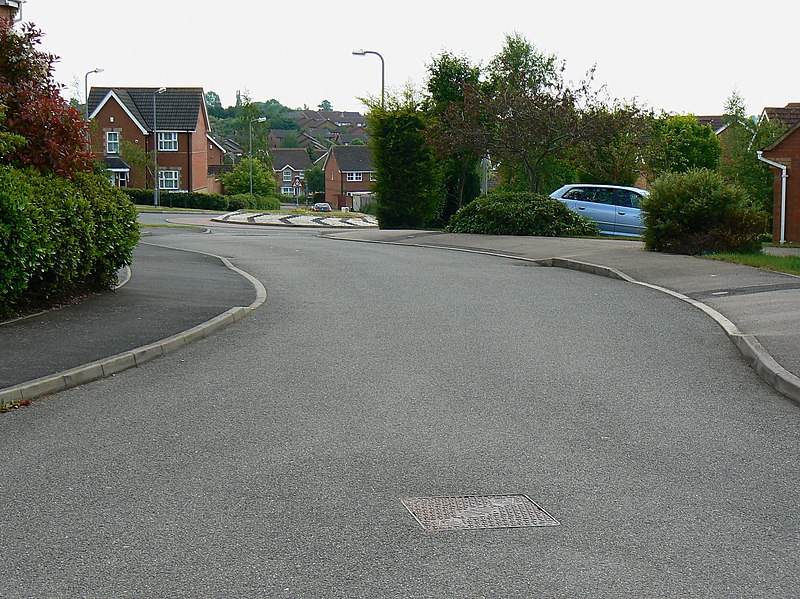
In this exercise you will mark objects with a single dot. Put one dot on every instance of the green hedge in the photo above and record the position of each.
(519, 213)
(59, 237)
(204, 201)
(698, 212)
(192, 199)
(244, 201)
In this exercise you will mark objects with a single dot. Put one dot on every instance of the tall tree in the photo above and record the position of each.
(55, 133)
(679, 143)
(315, 179)
(325, 106)
(247, 115)
(448, 74)
(614, 151)
(212, 100)
(739, 164)
(408, 190)
(525, 116)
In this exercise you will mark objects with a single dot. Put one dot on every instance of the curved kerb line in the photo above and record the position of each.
(756, 356)
(93, 371)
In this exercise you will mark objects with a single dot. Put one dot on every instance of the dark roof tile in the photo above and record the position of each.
(296, 158)
(176, 109)
(789, 115)
(353, 159)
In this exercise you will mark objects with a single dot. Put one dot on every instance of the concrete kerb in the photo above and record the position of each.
(108, 366)
(759, 359)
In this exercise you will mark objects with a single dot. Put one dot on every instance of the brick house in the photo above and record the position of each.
(785, 151)
(185, 147)
(9, 10)
(289, 166)
(348, 170)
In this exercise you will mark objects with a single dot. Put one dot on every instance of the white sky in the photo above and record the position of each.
(681, 56)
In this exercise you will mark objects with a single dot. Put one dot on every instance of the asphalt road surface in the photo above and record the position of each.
(270, 460)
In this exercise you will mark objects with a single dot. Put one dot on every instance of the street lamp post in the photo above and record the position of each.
(383, 68)
(160, 90)
(86, 92)
(258, 120)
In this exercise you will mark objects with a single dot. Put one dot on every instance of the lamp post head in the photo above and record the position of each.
(161, 90)
(359, 52)
(98, 70)
(260, 119)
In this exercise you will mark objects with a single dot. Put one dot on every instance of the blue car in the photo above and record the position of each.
(615, 209)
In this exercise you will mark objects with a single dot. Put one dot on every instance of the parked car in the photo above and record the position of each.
(321, 207)
(615, 209)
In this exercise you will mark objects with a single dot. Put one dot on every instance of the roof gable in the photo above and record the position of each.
(789, 115)
(112, 95)
(783, 137)
(353, 159)
(295, 158)
(216, 143)
(177, 108)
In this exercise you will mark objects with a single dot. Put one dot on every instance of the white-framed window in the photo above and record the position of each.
(302, 175)
(287, 190)
(355, 176)
(167, 141)
(287, 174)
(112, 142)
(168, 179)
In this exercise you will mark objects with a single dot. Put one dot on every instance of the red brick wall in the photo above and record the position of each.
(788, 153)
(7, 13)
(337, 186)
(199, 158)
(112, 117)
(333, 181)
(214, 153)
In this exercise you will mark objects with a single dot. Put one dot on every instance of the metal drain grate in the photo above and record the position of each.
(477, 512)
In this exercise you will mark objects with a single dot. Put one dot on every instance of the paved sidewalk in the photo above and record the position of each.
(759, 310)
(171, 294)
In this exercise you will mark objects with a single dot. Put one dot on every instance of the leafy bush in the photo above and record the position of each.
(698, 212)
(59, 238)
(116, 229)
(238, 180)
(205, 201)
(192, 199)
(519, 213)
(244, 201)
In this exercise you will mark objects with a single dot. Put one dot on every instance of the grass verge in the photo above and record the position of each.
(786, 264)
(140, 208)
(169, 226)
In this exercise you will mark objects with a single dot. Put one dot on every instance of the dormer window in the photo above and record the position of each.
(287, 174)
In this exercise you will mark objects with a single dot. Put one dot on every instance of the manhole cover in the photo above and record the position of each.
(477, 512)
